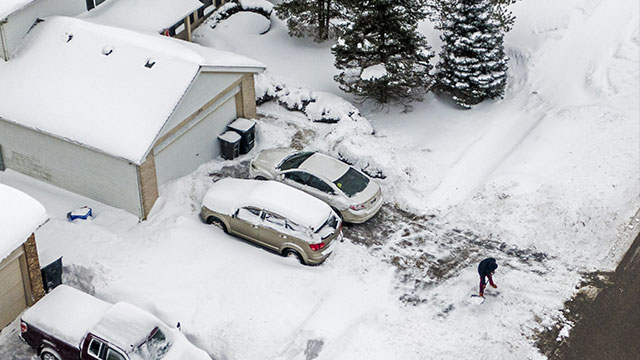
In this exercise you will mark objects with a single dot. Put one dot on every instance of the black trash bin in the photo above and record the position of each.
(247, 130)
(230, 144)
(52, 275)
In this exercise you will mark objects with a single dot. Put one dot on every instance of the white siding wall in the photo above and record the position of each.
(203, 89)
(197, 145)
(69, 166)
(19, 23)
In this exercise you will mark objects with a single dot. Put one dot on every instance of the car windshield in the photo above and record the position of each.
(352, 182)
(155, 348)
(294, 160)
(328, 226)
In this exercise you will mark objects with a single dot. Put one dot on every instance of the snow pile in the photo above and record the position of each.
(373, 72)
(318, 106)
(20, 215)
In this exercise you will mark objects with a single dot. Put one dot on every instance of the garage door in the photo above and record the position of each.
(12, 296)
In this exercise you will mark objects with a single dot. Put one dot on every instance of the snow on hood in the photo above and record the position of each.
(227, 195)
(106, 88)
(142, 15)
(66, 313)
(8, 7)
(20, 215)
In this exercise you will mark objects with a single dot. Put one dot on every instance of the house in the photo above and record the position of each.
(17, 17)
(20, 278)
(111, 113)
(166, 17)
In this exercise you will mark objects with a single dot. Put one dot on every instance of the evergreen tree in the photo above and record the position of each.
(473, 64)
(439, 10)
(381, 54)
(310, 17)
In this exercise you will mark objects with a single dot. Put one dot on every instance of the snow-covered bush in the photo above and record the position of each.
(261, 7)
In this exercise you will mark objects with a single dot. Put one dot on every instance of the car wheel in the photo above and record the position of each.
(290, 253)
(46, 355)
(212, 220)
(260, 177)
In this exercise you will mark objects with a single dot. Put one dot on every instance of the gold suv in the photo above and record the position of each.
(275, 216)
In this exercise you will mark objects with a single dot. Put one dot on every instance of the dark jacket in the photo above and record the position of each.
(487, 266)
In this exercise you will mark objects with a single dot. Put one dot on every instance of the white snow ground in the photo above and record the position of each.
(553, 169)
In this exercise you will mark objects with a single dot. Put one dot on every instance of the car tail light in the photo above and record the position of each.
(357, 207)
(316, 247)
(23, 327)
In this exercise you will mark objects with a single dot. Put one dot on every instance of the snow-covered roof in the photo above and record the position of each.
(66, 313)
(228, 194)
(106, 88)
(8, 7)
(142, 15)
(125, 325)
(20, 215)
(324, 165)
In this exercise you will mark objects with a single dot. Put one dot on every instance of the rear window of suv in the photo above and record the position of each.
(352, 182)
(294, 161)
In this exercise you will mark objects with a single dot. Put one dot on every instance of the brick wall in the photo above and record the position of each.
(33, 265)
(148, 184)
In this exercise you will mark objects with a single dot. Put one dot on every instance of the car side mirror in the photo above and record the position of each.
(178, 326)
(235, 213)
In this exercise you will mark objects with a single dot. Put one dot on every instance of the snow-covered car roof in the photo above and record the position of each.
(66, 313)
(106, 88)
(8, 7)
(20, 215)
(125, 325)
(324, 165)
(227, 195)
(142, 15)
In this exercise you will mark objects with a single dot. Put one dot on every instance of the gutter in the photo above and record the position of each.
(3, 42)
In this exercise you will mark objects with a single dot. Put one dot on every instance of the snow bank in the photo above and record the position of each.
(20, 215)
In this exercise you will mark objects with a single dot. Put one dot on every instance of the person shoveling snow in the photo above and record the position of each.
(486, 269)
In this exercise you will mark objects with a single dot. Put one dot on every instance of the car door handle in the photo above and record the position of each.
(283, 236)
(255, 226)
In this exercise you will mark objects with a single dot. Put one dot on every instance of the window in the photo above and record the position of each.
(94, 348)
(113, 355)
(294, 160)
(352, 182)
(273, 219)
(298, 176)
(317, 183)
(248, 214)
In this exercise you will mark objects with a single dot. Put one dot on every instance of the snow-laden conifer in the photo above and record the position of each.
(380, 54)
(473, 65)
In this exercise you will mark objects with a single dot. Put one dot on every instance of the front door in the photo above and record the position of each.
(246, 223)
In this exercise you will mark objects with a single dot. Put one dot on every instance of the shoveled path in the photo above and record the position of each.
(609, 327)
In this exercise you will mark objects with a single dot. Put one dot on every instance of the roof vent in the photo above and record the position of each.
(68, 36)
(107, 50)
(150, 63)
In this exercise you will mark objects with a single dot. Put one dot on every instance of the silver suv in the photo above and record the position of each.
(275, 216)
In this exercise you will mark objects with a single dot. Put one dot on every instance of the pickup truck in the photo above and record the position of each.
(68, 324)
